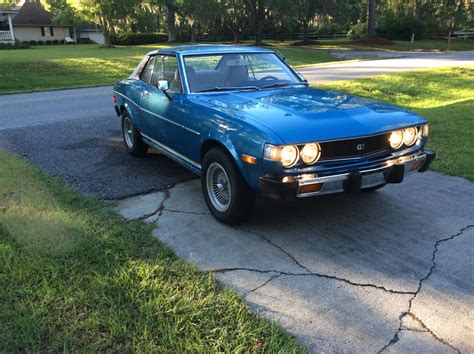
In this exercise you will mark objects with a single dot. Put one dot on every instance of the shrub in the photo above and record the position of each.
(61, 41)
(329, 28)
(16, 45)
(48, 42)
(359, 30)
(40, 42)
(33, 42)
(55, 41)
(125, 38)
(399, 26)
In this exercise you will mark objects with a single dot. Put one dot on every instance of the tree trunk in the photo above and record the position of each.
(171, 19)
(305, 32)
(106, 26)
(417, 9)
(193, 32)
(259, 19)
(236, 33)
(107, 43)
(372, 19)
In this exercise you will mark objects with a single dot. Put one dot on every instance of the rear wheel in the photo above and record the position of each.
(227, 194)
(132, 138)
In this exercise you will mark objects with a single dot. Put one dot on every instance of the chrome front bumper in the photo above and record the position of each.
(307, 185)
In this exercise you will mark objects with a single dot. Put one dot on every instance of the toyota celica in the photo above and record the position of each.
(247, 123)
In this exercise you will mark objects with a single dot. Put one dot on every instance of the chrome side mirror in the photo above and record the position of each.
(163, 85)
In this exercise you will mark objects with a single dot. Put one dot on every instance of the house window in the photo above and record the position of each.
(4, 23)
(47, 31)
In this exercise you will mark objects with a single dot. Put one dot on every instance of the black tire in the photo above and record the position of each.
(134, 142)
(373, 189)
(242, 197)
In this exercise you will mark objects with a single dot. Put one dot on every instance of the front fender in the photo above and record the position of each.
(243, 139)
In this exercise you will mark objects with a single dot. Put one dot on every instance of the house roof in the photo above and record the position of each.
(33, 14)
(8, 10)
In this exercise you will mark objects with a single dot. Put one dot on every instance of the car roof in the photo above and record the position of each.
(210, 49)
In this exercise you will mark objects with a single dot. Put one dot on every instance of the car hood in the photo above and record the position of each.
(299, 115)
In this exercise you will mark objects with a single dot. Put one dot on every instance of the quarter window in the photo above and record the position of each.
(148, 71)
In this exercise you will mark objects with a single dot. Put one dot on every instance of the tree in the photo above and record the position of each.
(107, 12)
(372, 19)
(171, 20)
(304, 12)
(258, 12)
(63, 12)
(235, 17)
(198, 12)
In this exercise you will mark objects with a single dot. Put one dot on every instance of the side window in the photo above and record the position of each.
(166, 68)
(148, 71)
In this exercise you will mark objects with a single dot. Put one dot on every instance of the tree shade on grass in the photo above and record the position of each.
(76, 277)
(445, 97)
(56, 67)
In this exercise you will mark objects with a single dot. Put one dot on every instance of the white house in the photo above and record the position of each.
(95, 33)
(30, 22)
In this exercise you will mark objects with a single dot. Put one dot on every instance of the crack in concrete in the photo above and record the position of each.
(272, 278)
(333, 277)
(409, 312)
(311, 274)
(159, 210)
(185, 212)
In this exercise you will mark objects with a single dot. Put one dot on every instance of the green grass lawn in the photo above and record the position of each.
(445, 97)
(56, 67)
(440, 45)
(74, 277)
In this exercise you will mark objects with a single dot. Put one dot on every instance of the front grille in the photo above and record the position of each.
(358, 147)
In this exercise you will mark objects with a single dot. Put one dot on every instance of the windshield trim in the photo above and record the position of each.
(297, 76)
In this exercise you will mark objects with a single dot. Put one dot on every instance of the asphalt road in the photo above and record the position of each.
(76, 134)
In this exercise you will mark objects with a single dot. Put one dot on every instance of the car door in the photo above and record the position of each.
(162, 111)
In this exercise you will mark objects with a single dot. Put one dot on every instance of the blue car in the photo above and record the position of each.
(247, 123)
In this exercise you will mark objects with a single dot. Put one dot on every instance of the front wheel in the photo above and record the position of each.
(132, 137)
(227, 194)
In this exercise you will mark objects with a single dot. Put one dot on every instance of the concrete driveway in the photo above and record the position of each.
(387, 271)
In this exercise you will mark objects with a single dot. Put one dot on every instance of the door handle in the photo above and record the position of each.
(146, 93)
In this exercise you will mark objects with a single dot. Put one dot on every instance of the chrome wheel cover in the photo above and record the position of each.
(128, 132)
(218, 187)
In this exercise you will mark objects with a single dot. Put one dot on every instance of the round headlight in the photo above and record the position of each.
(409, 136)
(289, 156)
(310, 153)
(396, 139)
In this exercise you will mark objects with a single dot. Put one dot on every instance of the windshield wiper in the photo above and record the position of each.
(279, 84)
(219, 88)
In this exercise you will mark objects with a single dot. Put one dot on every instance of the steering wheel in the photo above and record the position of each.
(269, 78)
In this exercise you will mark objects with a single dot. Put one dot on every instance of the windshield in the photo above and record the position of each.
(221, 72)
